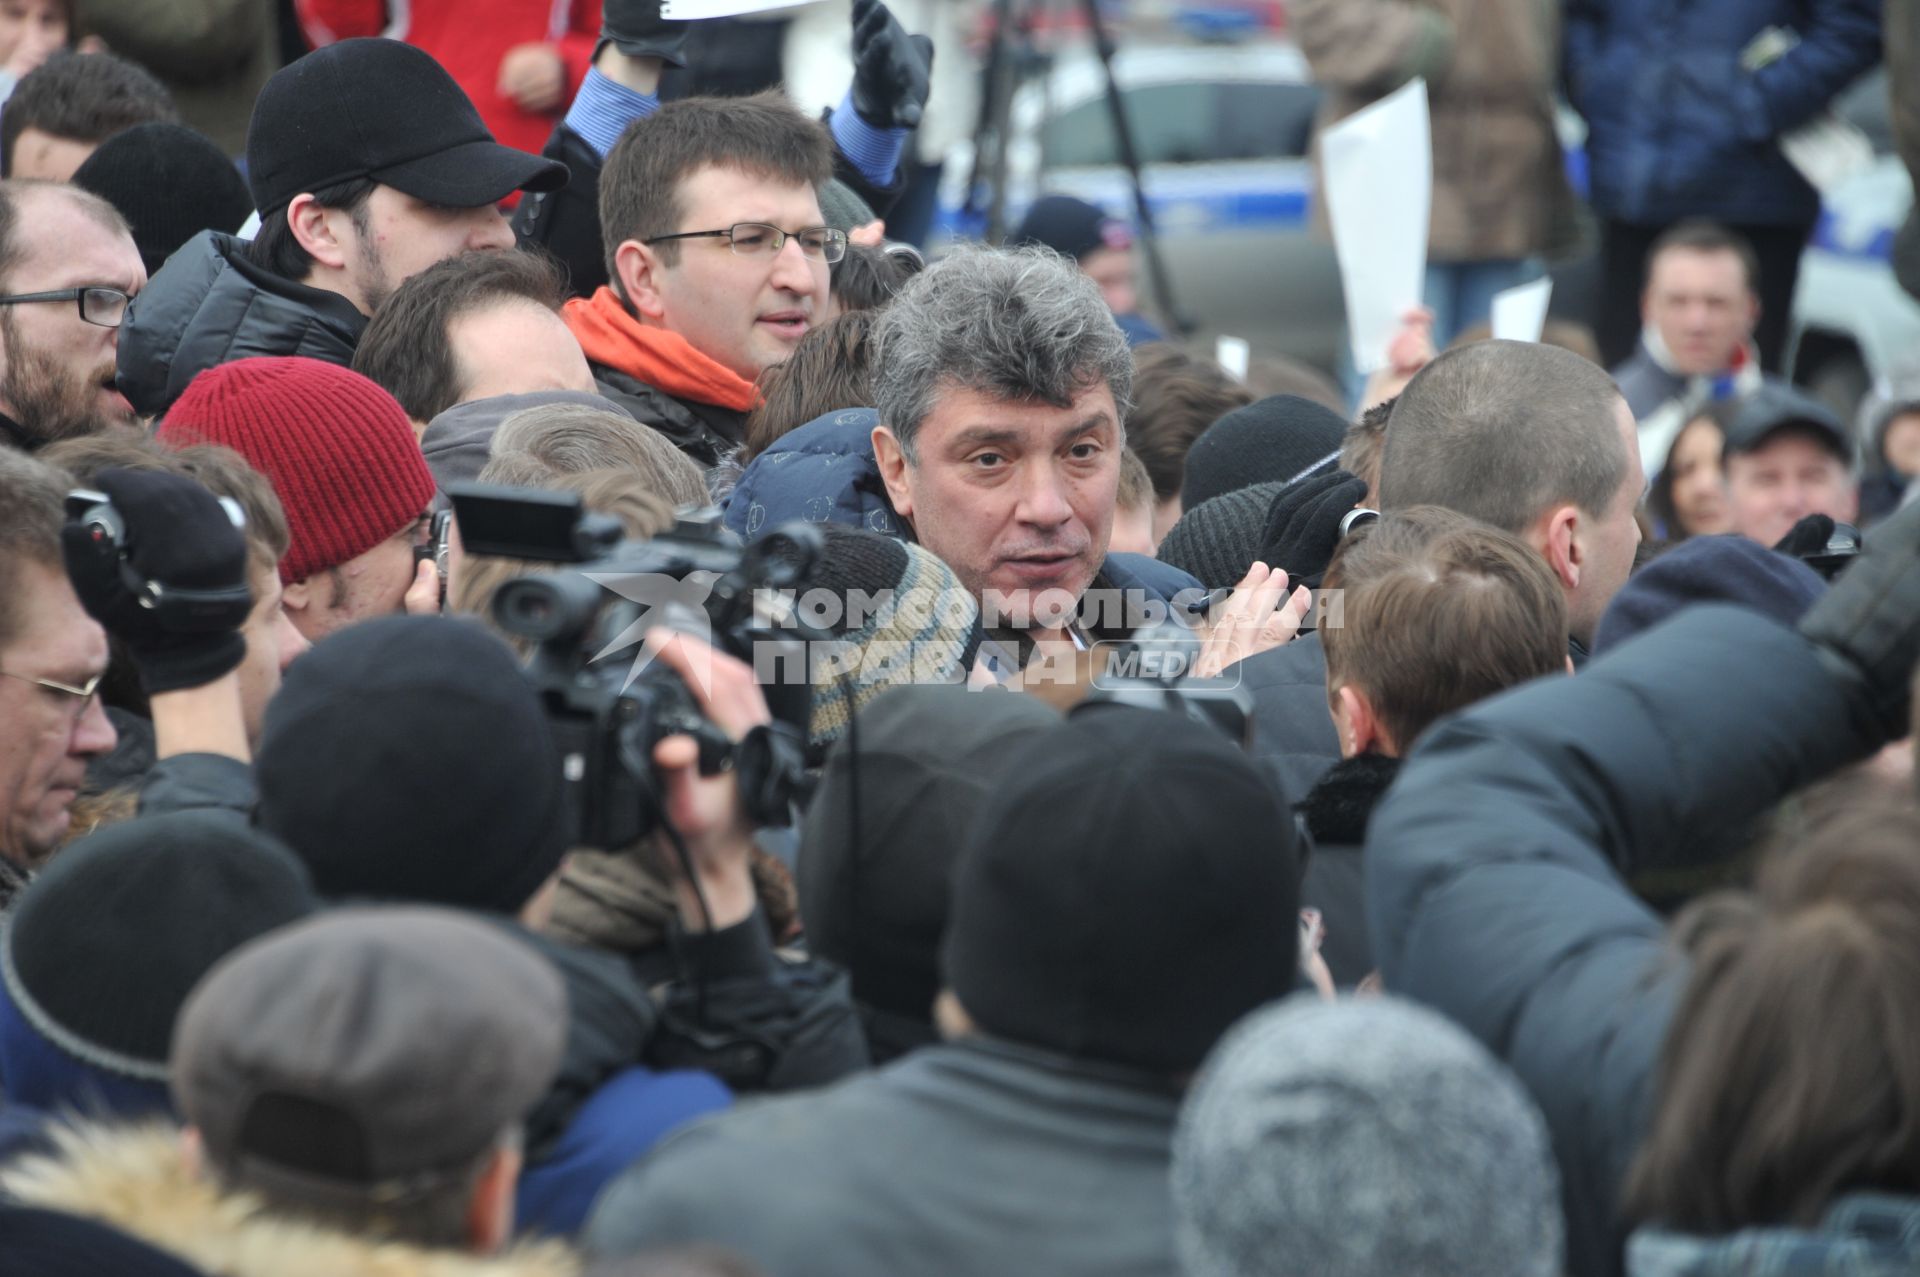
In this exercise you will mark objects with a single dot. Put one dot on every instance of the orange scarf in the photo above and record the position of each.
(665, 360)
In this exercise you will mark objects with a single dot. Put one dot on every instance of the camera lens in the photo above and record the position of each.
(529, 608)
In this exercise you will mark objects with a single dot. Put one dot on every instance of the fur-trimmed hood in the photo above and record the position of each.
(133, 1179)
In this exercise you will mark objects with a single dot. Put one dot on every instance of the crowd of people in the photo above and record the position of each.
(571, 706)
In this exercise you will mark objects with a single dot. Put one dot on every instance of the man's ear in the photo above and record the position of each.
(296, 597)
(1361, 731)
(638, 269)
(316, 229)
(1557, 538)
(490, 1210)
(892, 460)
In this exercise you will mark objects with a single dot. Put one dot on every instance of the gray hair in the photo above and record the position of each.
(1018, 324)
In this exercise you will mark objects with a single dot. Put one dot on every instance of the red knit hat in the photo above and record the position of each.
(338, 450)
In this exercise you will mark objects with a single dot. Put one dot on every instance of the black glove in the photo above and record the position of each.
(1303, 525)
(892, 70)
(1807, 537)
(636, 28)
(1868, 625)
(174, 584)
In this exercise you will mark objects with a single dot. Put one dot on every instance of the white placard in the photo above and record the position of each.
(1378, 168)
(1233, 354)
(698, 10)
(1520, 313)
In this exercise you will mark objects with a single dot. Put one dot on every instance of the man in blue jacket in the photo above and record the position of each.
(1496, 867)
(1686, 105)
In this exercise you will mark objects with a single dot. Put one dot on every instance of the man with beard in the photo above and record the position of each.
(68, 267)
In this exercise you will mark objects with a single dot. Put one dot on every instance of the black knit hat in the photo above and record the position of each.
(170, 183)
(1071, 227)
(408, 758)
(1282, 437)
(1131, 890)
(874, 883)
(380, 109)
(1304, 525)
(1219, 539)
(105, 945)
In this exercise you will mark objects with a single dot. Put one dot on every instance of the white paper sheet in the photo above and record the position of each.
(1378, 168)
(1520, 313)
(696, 10)
(1233, 354)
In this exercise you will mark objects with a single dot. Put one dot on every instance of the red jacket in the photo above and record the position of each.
(469, 38)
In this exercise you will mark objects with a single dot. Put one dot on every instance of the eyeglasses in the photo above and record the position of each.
(106, 307)
(77, 699)
(757, 239)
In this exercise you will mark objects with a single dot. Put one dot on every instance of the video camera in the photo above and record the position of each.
(101, 542)
(1150, 670)
(605, 719)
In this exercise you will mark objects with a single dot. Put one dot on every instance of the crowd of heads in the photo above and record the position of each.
(309, 923)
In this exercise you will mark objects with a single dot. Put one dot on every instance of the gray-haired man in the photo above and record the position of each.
(1003, 386)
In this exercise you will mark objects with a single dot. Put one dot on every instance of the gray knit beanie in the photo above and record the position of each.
(1216, 541)
(1362, 1138)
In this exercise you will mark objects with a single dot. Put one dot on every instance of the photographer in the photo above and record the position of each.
(409, 758)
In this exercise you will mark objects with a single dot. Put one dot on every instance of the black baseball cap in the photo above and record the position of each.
(1774, 407)
(385, 110)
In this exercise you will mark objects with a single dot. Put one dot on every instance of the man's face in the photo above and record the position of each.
(1900, 444)
(1610, 539)
(394, 237)
(1114, 270)
(272, 644)
(1700, 305)
(1017, 497)
(373, 584)
(30, 30)
(47, 736)
(1790, 476)
(56, 369)
(746, 312)
(515, 347)
(48, 157)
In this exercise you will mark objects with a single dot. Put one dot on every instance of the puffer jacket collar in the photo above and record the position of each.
(210, 305)
(133, 1179)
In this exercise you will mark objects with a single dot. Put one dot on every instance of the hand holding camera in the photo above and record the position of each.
(162, 565)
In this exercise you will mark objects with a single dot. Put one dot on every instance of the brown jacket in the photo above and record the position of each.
(133, 1179)
(1489, 67)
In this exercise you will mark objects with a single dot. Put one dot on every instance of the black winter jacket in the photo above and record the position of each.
(1495, 889)
(704, 432)
(210, 305)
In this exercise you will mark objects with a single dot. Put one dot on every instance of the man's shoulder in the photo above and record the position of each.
(797, 1158)
(1301, 663)
(701, 431)
(1645, 384)
(1139, 572)
(208, 305)
(1291, 725)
